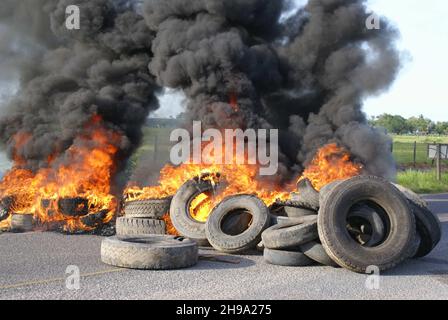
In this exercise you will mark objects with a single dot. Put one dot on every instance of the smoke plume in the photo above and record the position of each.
(307, 76)
(67, 77)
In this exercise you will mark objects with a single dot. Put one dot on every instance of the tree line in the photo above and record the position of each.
(415, 125)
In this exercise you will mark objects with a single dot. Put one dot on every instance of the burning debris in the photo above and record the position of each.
(78, 113)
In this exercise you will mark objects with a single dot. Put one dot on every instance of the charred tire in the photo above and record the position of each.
(339, 244)
(306, 196)
(428, 229)
(316, 252)
(149, 252)
(151, 208)
(73, 207)
(22, 222)
(286, 258)
(180, 215)
(295, 212)
(365, 217)
(95, 219)
(133, 226)
(247, 204)
(5, 207)
(428, 224)
(291, 234)
(4, 213)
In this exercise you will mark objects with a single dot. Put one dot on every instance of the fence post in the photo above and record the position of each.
(439, 161)
(415, 154)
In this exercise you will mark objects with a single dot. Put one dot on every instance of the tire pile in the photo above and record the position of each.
(141, 242)
(361, 222)
(143, 217)
(356, 223)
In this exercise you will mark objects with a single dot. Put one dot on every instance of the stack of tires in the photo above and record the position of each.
(142, 243)
(144, 217)
(361, 222)
(293, 240)
(234, 226)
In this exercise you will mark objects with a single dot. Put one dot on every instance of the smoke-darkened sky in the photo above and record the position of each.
(420, 88)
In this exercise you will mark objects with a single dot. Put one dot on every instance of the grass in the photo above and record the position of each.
(423, 181)
(404, 148)
(419, 139)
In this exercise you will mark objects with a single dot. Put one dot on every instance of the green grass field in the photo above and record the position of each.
(423, 181)
(403, 149)
(420, 139)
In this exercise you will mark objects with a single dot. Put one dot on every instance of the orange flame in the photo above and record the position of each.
(86, 172)
(330, 163)
(234, 102)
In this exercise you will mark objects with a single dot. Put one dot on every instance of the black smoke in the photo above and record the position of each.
(68, 76)
(307, 75)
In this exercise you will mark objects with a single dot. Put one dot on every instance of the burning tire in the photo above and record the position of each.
(180, 215)
(388, 202)
(236, 206)
(134, 226)
(95, 220)
(73, 207)
(316, 252)
(151, 208)
(286, 258)
(306, 196)
(22, 223)
(429, 229)
(149, 252)
(5, 207)
(291, 234)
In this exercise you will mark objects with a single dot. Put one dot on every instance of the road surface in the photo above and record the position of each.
(34, 265)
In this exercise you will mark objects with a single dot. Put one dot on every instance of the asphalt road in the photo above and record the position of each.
(34, 265)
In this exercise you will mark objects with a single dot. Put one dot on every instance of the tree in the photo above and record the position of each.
(392, 123)
(441, 128)
(420, 125)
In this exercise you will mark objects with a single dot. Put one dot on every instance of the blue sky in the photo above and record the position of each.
(422, 86)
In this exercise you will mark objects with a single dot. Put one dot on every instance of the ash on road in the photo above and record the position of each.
(33, 266)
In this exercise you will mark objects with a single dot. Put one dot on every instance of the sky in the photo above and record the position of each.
(422, 86)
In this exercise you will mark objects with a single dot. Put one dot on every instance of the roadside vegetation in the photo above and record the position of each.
(423, 181)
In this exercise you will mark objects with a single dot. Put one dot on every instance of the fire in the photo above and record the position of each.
(84, 172)
(330, 163)
(234, 102)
